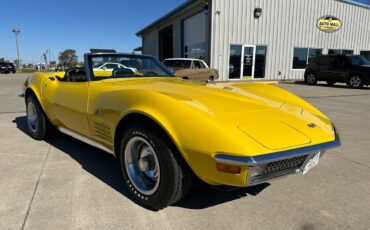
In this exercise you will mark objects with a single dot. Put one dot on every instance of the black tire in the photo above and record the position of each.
(41, 128)
(355, 82)
(330, 82)
(310, 78)
(174, 179)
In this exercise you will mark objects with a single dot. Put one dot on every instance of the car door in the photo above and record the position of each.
(199, 72)
(323, 67)
(66, 103)
(338, 70)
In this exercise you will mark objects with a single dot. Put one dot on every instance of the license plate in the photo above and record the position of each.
(311, 163)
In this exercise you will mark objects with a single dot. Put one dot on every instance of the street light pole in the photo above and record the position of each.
(17, 31)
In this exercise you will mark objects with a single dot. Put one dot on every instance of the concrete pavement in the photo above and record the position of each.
(65, 184)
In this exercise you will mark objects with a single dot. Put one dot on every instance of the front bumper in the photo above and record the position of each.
(271, 166)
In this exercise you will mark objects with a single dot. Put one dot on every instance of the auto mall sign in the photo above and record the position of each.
(329, 24)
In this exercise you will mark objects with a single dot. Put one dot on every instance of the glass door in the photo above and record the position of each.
(248, 62)
(235, 65)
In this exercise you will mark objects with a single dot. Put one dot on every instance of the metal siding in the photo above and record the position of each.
(284, 24)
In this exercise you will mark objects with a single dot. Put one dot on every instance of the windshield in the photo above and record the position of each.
(358, 60)
(185, 64)
(106, 66)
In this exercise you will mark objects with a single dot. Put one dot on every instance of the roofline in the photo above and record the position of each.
(168, 15)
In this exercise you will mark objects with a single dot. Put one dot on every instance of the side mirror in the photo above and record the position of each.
(104, 68)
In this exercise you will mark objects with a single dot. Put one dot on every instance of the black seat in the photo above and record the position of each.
(75, 75)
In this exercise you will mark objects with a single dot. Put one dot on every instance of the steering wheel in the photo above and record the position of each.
(74, 71)
(151, 74)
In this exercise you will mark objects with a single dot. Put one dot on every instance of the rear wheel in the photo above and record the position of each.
(311, 79)
(355, 82)
(38, 125)
(151, 171)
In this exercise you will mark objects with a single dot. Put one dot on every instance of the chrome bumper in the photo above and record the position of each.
(293, 160)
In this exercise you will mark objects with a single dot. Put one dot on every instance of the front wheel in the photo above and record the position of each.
(311, 79)
(151, 171)
(38, 125)
(355, 82)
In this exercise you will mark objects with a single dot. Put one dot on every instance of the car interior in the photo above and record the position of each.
(74, 75)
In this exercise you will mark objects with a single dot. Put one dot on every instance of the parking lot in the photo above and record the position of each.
(65, 184)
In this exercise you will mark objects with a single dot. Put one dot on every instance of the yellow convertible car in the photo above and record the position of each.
(165, 131)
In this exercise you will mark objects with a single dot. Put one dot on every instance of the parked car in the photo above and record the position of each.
(191, 69)
(351, 69)
(164, 130)
(110, 66)
(7, 67)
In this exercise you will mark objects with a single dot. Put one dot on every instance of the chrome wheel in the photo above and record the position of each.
(311, 78)
(32, 120)
(355, 82)
(142, 165)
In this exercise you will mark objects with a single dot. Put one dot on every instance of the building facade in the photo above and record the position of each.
(260, 39)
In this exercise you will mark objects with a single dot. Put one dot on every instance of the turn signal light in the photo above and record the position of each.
(228, 168)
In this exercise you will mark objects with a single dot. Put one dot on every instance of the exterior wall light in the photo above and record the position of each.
(257, 12)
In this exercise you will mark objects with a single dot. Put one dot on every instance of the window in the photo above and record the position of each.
(366, 54)
(347, 52)
(202, 65)
(300, 58)
(194, 36)
(142, 66)
(340, 51)
(197, 51)
(260, 66)
(196, 65)
(334, 51)
(358, 60)
(235, 61)
(314, 52)
(326, 60)
(302, 55)
(183, 64)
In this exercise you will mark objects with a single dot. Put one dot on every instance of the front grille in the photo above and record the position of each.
(264, 172)
(282, 165)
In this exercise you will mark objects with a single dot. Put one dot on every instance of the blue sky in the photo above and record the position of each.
(75, 24)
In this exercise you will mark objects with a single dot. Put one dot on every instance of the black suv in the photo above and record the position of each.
(6, 67)
(351, 69)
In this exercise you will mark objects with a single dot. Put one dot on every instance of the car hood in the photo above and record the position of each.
(216, 99)
(270, 119)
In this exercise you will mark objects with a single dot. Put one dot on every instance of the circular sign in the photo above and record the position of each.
(329, 24)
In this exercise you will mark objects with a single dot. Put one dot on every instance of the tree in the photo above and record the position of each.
(68, 58)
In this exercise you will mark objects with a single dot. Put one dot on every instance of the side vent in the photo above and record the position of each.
(102, 132)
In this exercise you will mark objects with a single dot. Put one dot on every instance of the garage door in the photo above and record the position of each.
(195, 36)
